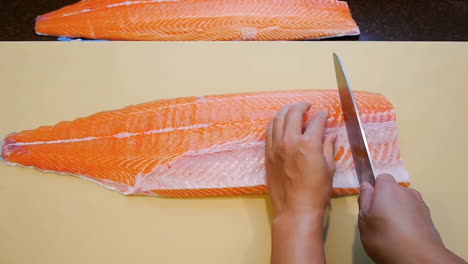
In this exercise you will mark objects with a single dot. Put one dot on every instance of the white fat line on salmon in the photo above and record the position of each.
(163, 130)
(119, 135)
(126, 3)
(80, 12)
(52, 141)
(169, 129)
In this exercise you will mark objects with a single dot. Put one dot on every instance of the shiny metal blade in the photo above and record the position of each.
(356, 136)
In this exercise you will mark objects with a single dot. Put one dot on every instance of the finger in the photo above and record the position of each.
(365, 198)
(385, 184)
(295, 118)
(315, 128)
(278, 125)
(385, 179)
(269, 137)
(416, 194)
(329, 152)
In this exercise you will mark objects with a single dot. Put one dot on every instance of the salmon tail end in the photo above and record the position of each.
(39, 26)
(46, 25)
(3, 150)
(6, 147)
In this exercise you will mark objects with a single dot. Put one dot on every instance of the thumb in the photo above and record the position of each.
(365, 198)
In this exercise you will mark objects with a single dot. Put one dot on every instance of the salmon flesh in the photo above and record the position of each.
(199, 146)
(200, 20)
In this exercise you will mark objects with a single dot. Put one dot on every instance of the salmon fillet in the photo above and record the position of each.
(200, 20)
(199, 146)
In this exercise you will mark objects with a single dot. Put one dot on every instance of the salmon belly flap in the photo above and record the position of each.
(199, 146)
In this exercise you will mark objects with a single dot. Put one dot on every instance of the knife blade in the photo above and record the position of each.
(356, 136)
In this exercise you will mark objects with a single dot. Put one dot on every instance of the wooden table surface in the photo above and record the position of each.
(377, 19)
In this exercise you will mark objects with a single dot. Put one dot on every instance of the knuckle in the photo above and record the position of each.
(269, 127)
(277, 118)
(278, 152)
(314, 148)
(303, 144)
(309, 141)
(270, 156)
(364, 215)
(427, 209)
(361, 216)
(295, 106)
(283, 149)
(294, 109)
(306, 139)
(285, 144)
(363, 223)
(415, 192)
(307, 149)
(303, 150)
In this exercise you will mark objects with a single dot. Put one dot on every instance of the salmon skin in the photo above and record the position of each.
(200, 20)
(199, 146)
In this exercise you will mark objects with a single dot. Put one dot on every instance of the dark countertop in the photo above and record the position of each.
(390, 20)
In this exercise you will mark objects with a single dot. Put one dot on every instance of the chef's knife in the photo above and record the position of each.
(356, 137)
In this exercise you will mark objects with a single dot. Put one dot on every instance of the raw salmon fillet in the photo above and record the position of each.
(200, 20)
(199, 146)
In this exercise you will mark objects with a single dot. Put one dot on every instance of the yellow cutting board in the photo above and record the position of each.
(51, 218)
